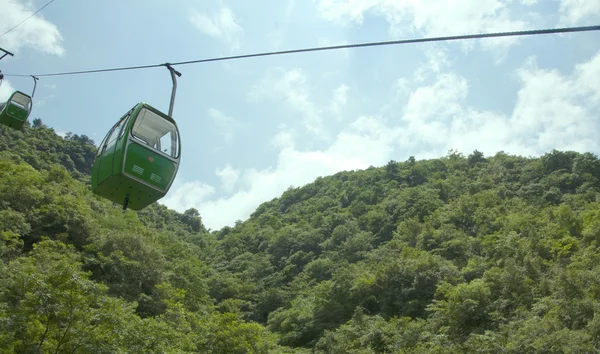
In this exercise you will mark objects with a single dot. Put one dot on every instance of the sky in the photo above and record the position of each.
(251, 128)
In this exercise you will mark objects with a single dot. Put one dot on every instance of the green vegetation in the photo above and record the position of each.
(458, 254)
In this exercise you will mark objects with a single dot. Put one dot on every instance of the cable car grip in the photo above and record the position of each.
(6, 52)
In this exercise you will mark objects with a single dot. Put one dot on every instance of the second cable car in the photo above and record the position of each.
(138, 160)
(15, 111)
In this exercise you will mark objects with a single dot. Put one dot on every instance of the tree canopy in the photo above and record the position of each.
(495, 254)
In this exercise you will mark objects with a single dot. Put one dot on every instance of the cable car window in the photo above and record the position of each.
(21, 100)
(166, 144)
(111, 137)
(156, 132)
(125, 121)
(101, 146)
(15, 103)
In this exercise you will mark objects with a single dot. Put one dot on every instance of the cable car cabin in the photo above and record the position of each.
(15, 111)
(138, 159)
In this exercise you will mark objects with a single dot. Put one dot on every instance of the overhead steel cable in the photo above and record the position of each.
(95, 71)
(346, 46)
(30, 16)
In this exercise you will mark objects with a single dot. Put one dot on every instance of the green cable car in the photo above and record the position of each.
(138, 160)
(15, 111)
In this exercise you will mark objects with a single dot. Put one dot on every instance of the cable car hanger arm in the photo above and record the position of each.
(174, 91)
(35, 79)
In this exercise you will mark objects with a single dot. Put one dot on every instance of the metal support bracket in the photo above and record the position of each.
(174, 91)
(35, 79)
(6, 52)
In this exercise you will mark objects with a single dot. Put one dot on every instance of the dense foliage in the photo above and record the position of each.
(458, 254)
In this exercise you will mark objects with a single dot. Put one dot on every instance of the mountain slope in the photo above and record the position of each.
(456, 254)
(459, 253)
(80, 275)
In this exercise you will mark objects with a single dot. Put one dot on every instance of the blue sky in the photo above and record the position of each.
(253, 127)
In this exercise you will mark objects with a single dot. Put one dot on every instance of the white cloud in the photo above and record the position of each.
(586, 75)
(6, 89)
(229, 177)
(438, 119)
(367, 142)
(284, 138)
(36, 32)
(339, 100)
(556, 111)
(552, 111)
(226, 124)
(442, 100)
(575, 12)
(431, 18)
(437, 60)
(403, 85)
(185, 195)
(221, 25)
(293, 87)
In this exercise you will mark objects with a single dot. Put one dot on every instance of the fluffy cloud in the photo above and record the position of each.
(293, 87)
(443, 18)
(6, 89)
(284, 138)
(226, 124)
(184, 195)
(220, 25)
(557, 111)
(229, 177)
(36, 32)
(552, 111)
(437, 119)
(437, 61)
(429, 17)
(339, 101)
(433, 18)
(575, 12)
(367, 142)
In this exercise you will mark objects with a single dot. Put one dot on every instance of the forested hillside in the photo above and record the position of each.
(458, 254)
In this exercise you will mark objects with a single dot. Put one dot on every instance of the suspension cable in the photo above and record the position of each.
(346, 46)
